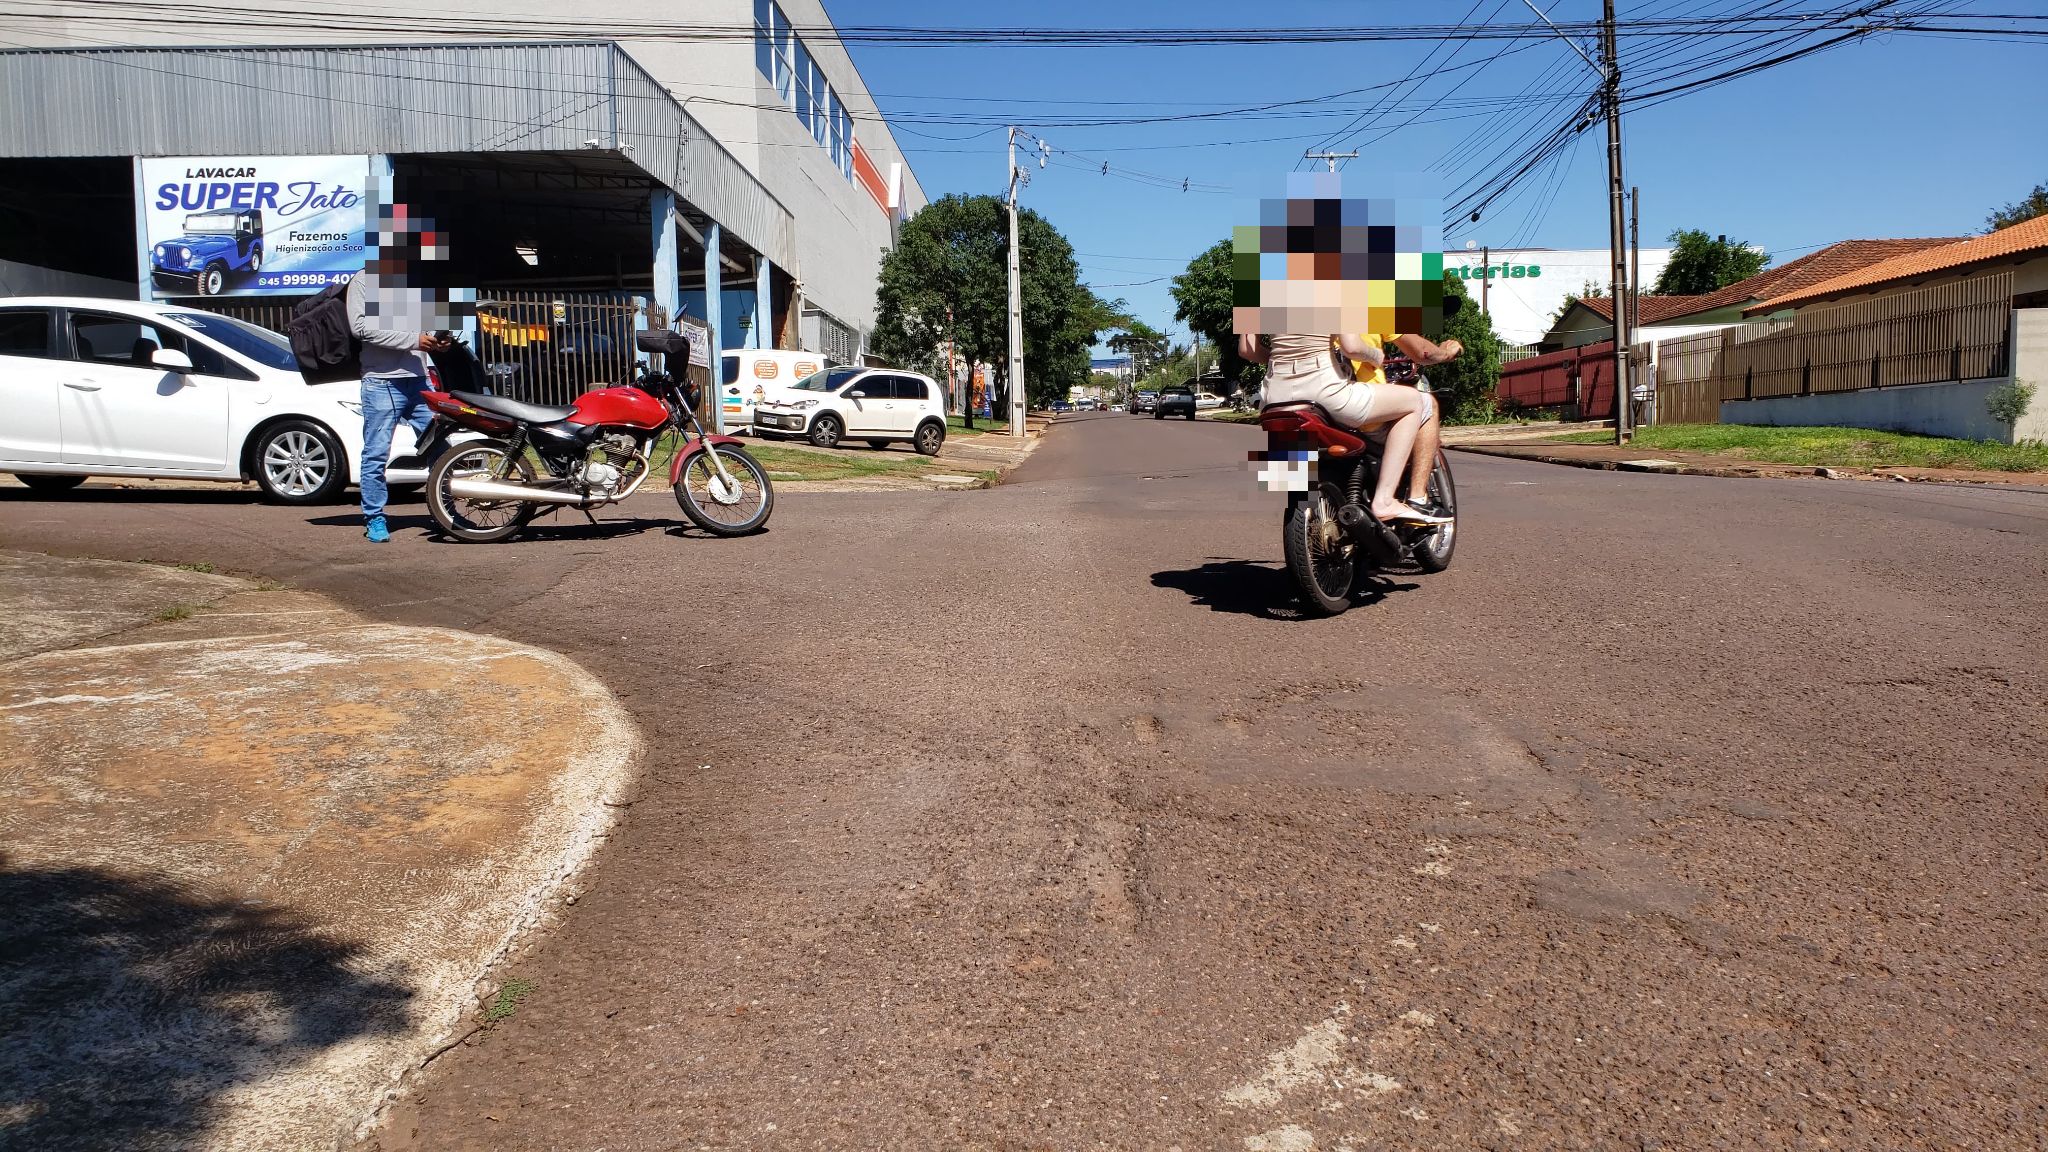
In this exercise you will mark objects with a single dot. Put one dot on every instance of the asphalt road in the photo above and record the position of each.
(1679, 813)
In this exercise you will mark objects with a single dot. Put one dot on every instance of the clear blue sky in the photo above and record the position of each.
(1905, 136)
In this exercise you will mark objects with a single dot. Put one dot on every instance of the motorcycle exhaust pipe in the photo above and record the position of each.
(1370, 532)
(474, 489)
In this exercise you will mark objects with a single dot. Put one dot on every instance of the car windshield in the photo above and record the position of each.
(259, 344)
(828, 380)
(209, 224)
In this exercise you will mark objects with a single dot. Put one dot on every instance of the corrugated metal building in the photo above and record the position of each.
(555, 165)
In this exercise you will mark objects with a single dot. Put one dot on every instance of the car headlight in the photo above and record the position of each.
(355, 406)
(804, 405)
(184, 253)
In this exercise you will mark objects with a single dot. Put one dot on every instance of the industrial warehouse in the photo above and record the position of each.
(586, 186)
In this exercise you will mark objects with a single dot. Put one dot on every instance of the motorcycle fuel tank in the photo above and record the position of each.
(621, 406)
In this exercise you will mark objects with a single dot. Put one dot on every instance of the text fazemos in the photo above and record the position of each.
(264, 195)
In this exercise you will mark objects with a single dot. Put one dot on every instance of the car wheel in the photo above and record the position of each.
(1191, 415)
(1158, 415)
(255, 261)
(298, 462)
(930, 436)
(826, 431)
(878, 444)
(48, 483)
(212, 280)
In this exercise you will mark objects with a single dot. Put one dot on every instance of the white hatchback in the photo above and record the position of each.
(120, 388)
(878, 405)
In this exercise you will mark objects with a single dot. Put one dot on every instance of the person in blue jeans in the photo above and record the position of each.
(397, 318)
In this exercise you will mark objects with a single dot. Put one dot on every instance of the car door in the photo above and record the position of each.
(912, 398)
(31, 376)
(869, 414)
(119, 411)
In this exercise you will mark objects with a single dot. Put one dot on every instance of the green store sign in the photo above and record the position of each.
(1498, 271)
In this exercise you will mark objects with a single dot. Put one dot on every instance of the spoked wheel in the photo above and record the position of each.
(1321, 556)
(479, 521)
(1433, 552)
(732, 503)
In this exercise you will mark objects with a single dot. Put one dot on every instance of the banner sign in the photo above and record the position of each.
(253, 226)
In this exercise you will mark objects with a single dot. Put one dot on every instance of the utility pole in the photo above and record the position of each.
(1016, 372)
(1617, 238)
(1331, 157)
(1635, 259)
(1485, 276)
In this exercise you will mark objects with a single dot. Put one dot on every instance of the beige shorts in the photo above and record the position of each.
(1347, 401)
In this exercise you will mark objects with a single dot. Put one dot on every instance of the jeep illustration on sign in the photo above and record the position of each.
(252, 226)
(213, 247)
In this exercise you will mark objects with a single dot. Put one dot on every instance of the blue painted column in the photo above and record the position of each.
(763, 335)
(714, 319)
(668, 288)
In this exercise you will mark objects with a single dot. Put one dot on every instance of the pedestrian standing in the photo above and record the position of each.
(400, 319)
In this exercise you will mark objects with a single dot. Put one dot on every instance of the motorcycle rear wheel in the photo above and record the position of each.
(1320, 555)
(478, 521)
(719, 508)
(1433, 552)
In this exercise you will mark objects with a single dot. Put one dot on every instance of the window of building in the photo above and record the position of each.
(800, 83)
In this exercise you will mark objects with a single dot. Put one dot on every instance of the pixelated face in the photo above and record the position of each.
(403, 235)
(1319, 262)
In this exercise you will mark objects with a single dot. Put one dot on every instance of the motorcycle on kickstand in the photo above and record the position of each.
(596, 451)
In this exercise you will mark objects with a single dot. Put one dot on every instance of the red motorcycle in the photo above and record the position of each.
(597, 451)
(1328, 536)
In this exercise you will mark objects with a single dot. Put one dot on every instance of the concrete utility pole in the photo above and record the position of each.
(1617, 209)
(1016, 373)
(1331, 157)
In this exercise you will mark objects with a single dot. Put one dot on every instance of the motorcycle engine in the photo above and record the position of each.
(613, 462)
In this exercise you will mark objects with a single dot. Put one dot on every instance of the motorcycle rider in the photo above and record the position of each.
(1425, 353)
(1316, 368)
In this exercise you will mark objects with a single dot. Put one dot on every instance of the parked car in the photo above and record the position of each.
(119, 388)
(1144, 402)
(748, 376)
(1175, 402)
(1204, 401)
(215, 245)
(877, 405)
(1059, 406)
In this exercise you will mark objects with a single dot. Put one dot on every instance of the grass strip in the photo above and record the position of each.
(1827, 447)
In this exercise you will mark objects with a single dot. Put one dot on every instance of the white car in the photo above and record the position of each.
(1206, 401)
(119, 388)
(878, 405)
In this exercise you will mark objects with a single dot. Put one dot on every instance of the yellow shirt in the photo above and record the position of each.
(1366, 371)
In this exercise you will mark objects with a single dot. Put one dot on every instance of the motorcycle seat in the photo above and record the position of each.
(1307, 406)
(515, 409)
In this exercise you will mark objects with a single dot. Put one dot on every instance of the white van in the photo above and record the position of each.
(750, 375)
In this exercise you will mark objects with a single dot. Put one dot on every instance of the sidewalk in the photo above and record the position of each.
(965, 461)
(258, 852)
(1624, 459)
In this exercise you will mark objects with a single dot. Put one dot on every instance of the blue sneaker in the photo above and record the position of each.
(378, 531)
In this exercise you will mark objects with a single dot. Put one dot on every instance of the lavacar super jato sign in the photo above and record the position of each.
(253, 225)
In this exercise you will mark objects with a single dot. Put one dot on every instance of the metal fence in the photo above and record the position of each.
(557, 345)
(1960, 331)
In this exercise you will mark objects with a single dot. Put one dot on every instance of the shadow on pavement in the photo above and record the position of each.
(220, 495)
(129, 1005)
(1249, 588)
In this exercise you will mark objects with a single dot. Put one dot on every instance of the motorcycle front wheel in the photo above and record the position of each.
(733, 504)
(478, 521)
(1320, 554)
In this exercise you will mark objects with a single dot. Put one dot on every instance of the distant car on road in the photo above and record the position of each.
(1059, 406)
(1144, 402)
(1208, 400)
(1175, 402)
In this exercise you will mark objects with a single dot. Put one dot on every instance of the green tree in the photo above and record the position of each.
(1701, 263)
(1203, 298)
(1140, 341)
(949, 276)
(1465, 386)
(2020, 211)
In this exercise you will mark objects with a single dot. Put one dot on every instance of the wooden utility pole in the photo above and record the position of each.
(1617, 237)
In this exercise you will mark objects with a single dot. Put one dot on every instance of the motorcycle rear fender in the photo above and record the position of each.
(466, 415)
(682, 459)
(1301, 428)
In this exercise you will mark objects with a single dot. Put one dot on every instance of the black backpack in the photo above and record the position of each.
(323, 340)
